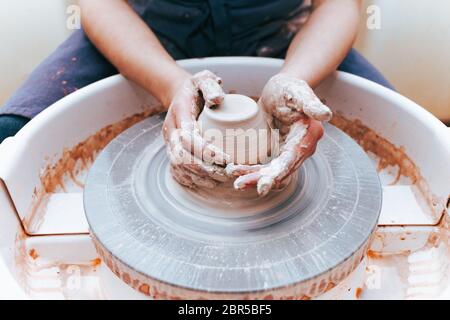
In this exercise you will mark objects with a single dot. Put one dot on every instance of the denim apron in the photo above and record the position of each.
(204, 28)
(187, 29)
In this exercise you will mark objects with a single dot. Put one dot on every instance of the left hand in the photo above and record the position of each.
(194, 161)
(297, 112)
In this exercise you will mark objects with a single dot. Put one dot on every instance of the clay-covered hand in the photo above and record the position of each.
(297, 113)
(194, 161)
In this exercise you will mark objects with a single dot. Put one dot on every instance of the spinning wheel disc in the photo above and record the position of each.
(154, 227)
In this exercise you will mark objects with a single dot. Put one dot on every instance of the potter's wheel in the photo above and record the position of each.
(150, 230)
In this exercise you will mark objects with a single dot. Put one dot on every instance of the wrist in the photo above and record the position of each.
(172, 86)
(304, 75)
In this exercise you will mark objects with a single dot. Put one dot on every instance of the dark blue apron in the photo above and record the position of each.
(187, 29)
(202, 28)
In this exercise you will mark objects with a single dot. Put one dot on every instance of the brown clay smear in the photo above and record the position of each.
(387, 153)
(72, 162)
(82, 155)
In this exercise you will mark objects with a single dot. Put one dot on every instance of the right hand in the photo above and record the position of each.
(194, 161)
(296, 111)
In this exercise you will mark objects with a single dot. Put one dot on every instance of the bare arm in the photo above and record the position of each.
(315, 52)
(129, 44)
(323, 42)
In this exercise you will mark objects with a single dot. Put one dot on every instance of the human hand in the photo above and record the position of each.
(194, 161)
(296, 111)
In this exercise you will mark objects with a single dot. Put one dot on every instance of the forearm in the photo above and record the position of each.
(323, 42)
(129, 44)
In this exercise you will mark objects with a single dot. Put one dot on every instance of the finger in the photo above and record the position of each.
(199, 147)
(185, 121)
(197, 177)
(314, 133)
(168, 126)
(212, 92)
(317, 110)
(247, 180)
(299, 145)
(284, 178)
(305, 148)
(214, 172)
(282, 166)
(266, 176)
(182, 179)
(283, 127)
(282, 183)
(209, 85)
(264, 185)
(241, 169)
(176, 152)
(190, 180)
(189, 133)
(202, 182)
(178, 156)
(297, 132)
(186, 106)
(301, 97)
(299, 161)
(185, 112)
(286, 115)
(205, 74)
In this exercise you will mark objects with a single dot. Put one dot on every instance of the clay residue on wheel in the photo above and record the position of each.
(388, 155)
(71, 163)
(81, 156)
(158, 290)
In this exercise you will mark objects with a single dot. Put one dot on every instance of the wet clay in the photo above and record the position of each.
(164, 291)
(370, 141)
(239, 127)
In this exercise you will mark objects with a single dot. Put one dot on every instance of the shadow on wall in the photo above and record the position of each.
(411, 48)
